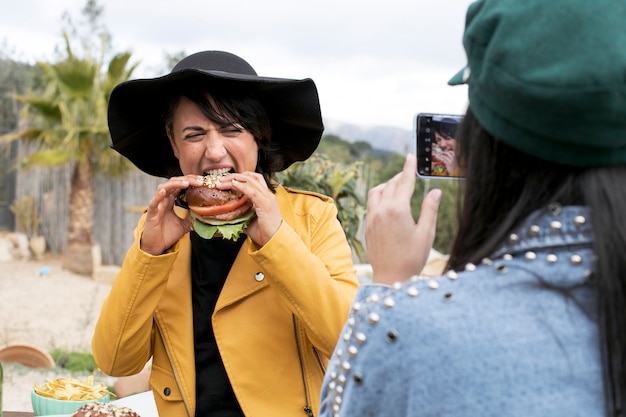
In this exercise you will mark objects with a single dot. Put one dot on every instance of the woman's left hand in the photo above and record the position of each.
(268, 218)
(397, 246)
(449, 160)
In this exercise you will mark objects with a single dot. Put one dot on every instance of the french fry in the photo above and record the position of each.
(71, 389)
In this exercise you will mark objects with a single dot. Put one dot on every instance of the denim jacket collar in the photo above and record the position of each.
(550, 229)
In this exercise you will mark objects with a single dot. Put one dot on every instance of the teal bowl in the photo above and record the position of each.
(44, 406)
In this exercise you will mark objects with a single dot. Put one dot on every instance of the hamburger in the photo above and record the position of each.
(217, 213)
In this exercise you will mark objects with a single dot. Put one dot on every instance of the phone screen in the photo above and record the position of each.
(436, 145)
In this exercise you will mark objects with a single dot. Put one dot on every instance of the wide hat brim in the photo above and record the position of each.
(136, 107)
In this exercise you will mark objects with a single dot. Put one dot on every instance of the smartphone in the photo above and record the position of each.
(435, 139)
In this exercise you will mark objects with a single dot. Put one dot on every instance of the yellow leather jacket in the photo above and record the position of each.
(276, 321)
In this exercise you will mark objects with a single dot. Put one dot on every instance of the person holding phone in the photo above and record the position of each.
(530, 317)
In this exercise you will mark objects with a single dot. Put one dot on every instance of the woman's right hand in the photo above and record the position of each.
(163, 227)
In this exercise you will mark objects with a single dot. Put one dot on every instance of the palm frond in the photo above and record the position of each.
(41, 105)
(67, 122)
(27, 135)
(46, 157)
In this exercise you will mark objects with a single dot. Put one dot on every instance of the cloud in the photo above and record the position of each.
(375, 63)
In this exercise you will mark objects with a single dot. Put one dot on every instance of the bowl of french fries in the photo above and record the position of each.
(63, 396)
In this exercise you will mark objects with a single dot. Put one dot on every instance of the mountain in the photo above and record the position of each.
(386, 138)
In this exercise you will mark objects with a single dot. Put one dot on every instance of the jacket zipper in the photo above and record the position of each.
(307, 406)
(167, 351)
(319, 360)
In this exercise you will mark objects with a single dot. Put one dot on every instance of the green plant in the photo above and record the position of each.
(65, 123)
(74, 361)
(337, 180)
(447, 215)
(24, 209)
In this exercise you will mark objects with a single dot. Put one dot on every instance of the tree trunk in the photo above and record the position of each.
(78, 256)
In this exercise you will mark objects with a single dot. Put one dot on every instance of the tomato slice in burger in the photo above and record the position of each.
(220, 209)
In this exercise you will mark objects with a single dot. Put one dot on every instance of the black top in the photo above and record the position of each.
(211, 261)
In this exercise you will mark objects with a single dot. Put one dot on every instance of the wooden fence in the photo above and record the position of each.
(118, 204)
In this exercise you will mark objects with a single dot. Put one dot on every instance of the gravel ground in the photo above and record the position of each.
(47, 306)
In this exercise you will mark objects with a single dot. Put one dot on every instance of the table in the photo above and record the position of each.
(17, 414)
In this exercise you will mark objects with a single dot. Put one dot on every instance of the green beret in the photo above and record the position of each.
(548, 77)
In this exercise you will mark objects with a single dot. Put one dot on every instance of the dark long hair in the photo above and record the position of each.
(503, 186)
(226, 107)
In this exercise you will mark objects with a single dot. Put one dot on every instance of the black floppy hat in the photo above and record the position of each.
(136, 107)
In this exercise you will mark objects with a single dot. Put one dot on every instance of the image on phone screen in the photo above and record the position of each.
(436, 145)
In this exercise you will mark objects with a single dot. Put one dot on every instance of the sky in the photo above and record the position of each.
(375, 63)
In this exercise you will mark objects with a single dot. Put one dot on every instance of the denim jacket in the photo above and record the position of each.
(514, 336)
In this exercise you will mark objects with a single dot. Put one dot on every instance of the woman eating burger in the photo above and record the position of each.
(235, 287)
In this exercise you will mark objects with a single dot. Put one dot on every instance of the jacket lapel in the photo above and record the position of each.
(246, 277)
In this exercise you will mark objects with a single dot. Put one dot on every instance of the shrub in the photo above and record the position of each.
(74, 361)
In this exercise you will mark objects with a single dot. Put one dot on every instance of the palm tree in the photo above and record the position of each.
(67, 124)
